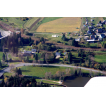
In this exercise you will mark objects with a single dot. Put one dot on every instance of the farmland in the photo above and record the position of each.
(30, 22)
(66, 24)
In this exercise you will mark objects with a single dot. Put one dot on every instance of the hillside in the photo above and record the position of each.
(66, 24)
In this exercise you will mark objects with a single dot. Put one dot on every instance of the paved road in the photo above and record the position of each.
(60, 65)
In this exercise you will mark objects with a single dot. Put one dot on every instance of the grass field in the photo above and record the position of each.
(1, 54)
(100, 58)
(66, 24)
(30, 22)
(15, 20)
(40, 71)
(47, 19)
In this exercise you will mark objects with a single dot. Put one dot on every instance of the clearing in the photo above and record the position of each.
(66, 24)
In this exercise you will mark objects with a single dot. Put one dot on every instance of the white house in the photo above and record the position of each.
(78, 39)
(54, 36)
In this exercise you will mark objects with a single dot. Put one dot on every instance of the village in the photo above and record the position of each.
(19, 47)
(93, 33)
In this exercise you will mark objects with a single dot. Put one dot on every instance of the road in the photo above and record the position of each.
(60, 65)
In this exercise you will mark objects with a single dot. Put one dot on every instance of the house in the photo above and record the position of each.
(99, 30)
(65, 53)
(86, 23)
(99, 25)
(28, 52)
(86, 37)
(78, 39)
(57, 54)
(33, 50)
(54, 36)
(101, 36)
(92, 37)
(88, 32)
(91, 20)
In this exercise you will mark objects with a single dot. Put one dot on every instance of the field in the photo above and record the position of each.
(30, 22)
(66, 24)
(1, 54)
(15, 21)
(100, 58)
(40, 71)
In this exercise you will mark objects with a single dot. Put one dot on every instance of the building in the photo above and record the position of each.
(88, 32)
(57, 54)
(28, 52)
(86, 37)
(91, 40)
(33, 50)
(101, 36)
(92, 37)
(78, 39)
(54, 36)
(99, 30)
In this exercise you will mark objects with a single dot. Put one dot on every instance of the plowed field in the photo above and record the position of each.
(66, 24)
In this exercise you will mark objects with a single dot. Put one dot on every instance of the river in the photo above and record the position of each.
(75, 81)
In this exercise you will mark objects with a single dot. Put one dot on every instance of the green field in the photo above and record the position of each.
(47, 19)
(30, 22)
(40, 71)
(1, 54)
(15, 21)
(100, 58)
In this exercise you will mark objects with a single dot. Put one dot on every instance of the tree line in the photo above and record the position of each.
(17, 81)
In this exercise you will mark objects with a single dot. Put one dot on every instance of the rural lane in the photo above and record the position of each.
(60, 65)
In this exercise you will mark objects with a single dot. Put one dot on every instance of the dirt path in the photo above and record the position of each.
(34, 23)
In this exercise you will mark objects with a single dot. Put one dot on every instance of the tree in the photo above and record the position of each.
(3, 57)
(87, 44)
(27, 59)
(0, 64)
(36, 57)
(63, 37)
(69, 57)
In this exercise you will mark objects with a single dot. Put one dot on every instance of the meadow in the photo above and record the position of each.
(100, 58)
(30, 22)
(66, 24)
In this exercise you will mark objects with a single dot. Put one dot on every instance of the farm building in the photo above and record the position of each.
(54, 36)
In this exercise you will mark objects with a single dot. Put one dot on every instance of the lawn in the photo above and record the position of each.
(66, 24)
(40, 71)
(1, 54)
(100, 58)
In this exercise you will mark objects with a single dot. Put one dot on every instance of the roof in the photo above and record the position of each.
(57, 54)
(96, 82)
